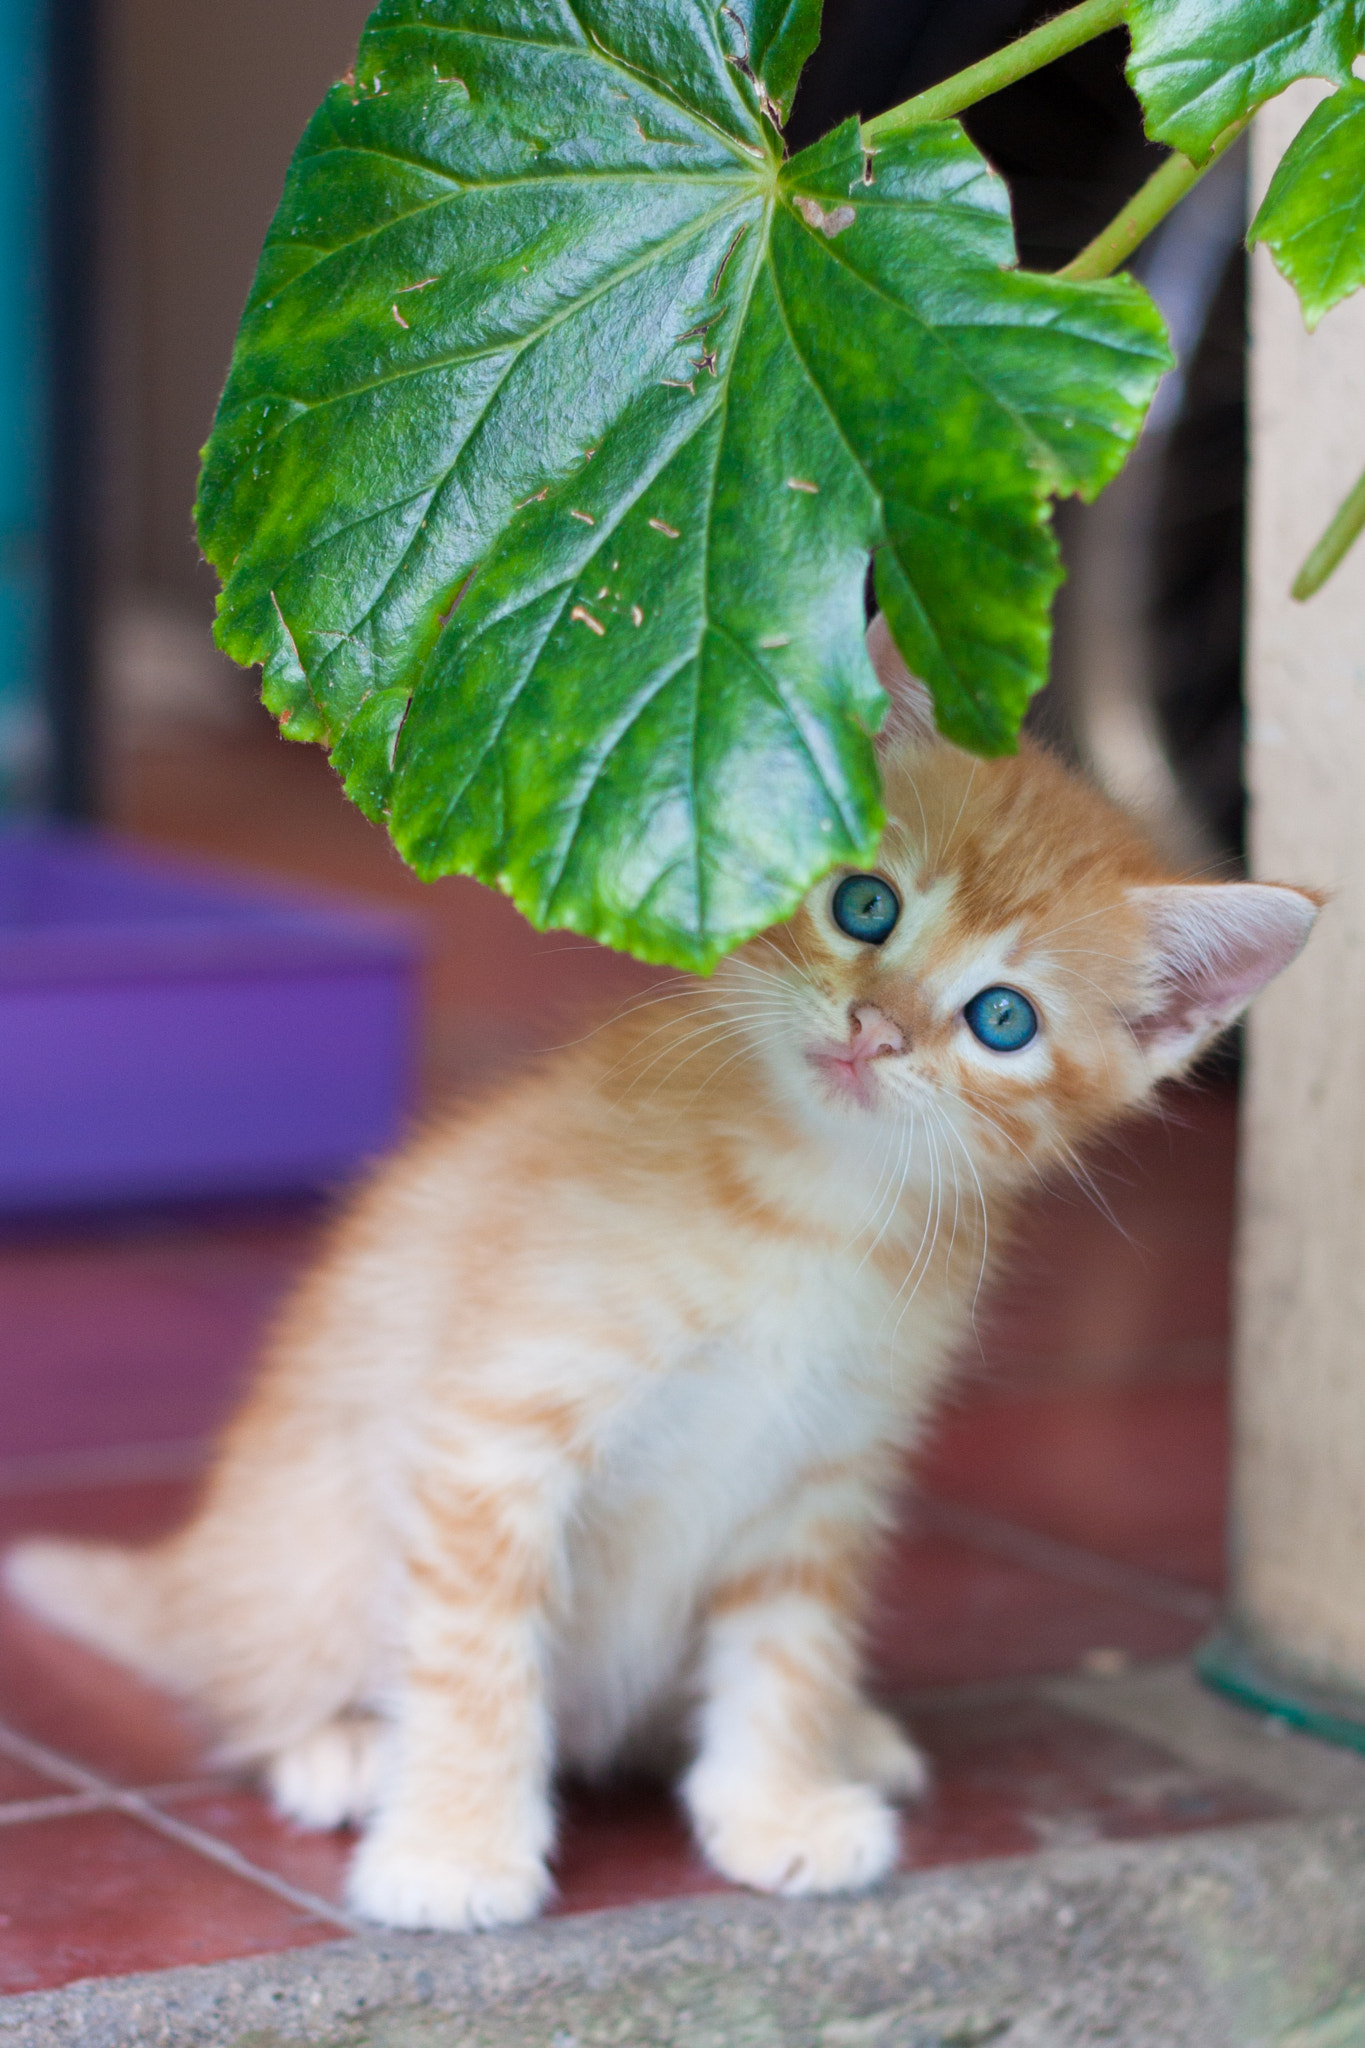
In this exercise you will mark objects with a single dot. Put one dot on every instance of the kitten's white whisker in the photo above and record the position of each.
(762, 939)
(871, 1205)
(734, 965)
(909, 1156)
(1086, 1182)
(722, 1004)
(783, 988)
(957, 1187)
(928, 1238)
(907, 1160)
(805, 972)
(715, 1033)
(1104, 996)
(801, 951)
(643, 1001)
(1104, 910)
(915, 1277)
(915, 850)
(903, 1161)
(680, 995)
(725, 1011)
(984, 1116)
(718, 1026)
(893, 1130)
(1092, 1026)
(746, 1052)
(923, 820)
(956, 1137)
(957, 1195)
(947, 841)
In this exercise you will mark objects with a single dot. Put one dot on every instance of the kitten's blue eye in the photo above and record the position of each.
(1002, 1019)
(866, 908)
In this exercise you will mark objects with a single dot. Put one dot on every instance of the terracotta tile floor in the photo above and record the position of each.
(1069, 1508)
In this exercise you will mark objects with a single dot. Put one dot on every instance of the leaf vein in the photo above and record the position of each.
(775, 690)
(594, 52)
(624, 174)
(517, 344)
(1007, 407)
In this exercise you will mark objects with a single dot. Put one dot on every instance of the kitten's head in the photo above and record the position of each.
(1017, 964)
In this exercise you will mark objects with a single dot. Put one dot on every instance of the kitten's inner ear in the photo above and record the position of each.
(1213, 947)
(911, 716)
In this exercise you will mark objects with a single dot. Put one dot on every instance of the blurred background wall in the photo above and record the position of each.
(202, 107)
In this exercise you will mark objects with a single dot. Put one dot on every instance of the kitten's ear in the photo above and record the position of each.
(1214, 945)
(911, 716)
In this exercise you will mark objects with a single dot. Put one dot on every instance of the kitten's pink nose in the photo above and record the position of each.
(874, 1033)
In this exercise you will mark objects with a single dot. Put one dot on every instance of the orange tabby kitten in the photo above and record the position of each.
(581, 1434)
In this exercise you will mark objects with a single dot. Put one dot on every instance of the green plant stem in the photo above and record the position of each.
(1148, 206)
(1346, 527)
(1030, 53)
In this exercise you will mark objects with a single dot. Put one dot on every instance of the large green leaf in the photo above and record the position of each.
(1313, 216)
(1199, 65)
(563, 418)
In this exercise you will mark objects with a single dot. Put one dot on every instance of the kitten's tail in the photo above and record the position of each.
(261, 1610)
(116, 1600)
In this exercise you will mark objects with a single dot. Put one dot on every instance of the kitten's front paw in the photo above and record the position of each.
(406, 1883)
(827, 1838)
(331, 1776)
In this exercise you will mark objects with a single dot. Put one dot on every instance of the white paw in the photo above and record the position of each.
(825, 1838)
(405, 1883)
(332, 1776)
(877, 1751)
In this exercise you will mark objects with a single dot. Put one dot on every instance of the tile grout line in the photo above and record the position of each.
(1021, 1545)
(39, 1757)
(223, 1853)
(113, 1798)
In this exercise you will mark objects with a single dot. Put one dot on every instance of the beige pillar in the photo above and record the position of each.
(1299, 1529)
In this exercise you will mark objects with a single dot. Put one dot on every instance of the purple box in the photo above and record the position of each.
(168, 1030)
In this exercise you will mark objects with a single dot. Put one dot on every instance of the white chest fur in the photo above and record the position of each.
(715, 1444)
